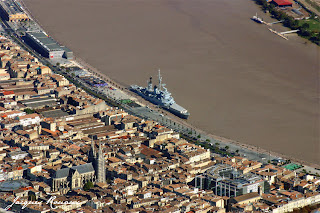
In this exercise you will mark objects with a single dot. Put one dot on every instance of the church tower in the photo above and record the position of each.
(92, 153)
(98, 162)
(100, 166)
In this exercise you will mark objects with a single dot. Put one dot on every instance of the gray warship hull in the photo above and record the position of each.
(174, 108)
(160, 96)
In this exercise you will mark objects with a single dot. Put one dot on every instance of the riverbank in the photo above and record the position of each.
(307, 27)
(251, 152)
(236, 78)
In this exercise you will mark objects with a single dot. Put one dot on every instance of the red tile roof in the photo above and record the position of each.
(8, 92)
(283, 2)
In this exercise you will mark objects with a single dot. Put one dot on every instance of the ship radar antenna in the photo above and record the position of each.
(150, 84)
(160, 80)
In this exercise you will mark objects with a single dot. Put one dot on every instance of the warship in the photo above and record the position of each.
(160, 96)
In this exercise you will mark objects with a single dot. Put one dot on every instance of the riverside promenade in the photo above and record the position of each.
(182, 126)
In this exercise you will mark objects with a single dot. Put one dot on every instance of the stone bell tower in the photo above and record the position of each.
(100, 166)
(98, 162)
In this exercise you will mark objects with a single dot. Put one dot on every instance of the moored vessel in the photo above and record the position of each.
(159, 95)
(257, 19)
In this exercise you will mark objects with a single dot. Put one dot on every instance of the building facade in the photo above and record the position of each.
(72, 178)
(10, 11)
(44, 45)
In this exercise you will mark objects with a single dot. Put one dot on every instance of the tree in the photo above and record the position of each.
(237, 151)
(217, 144)
(208, 140)
(227, 147)
(295, 24)
(28, 111)
(206, 146)
(305, 33)
(313, 15)
(282, 16)
(199, 136)
(315, 38)
(305, 26)
(109, 181)
(88, 186)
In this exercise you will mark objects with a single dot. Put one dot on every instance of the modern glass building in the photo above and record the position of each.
(225, 180)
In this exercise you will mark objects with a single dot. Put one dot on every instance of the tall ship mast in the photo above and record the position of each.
(159, 95)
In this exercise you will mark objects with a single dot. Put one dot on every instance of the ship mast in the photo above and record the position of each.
(150, 84)
(160, 80)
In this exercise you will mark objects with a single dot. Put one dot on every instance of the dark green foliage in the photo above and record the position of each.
(88, 186)
(305, 29)
(305, 26)
(28, 111)
(207, 145)
(109, 181)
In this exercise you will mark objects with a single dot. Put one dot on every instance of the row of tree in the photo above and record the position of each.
(290, 22)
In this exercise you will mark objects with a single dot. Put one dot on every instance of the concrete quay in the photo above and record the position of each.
(155, 113)
(152, 112)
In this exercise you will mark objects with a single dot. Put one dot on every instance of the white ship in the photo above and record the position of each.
(257, 19)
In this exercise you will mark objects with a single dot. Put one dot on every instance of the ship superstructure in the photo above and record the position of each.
(159, 95)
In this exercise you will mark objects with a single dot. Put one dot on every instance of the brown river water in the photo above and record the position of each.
(237, 79)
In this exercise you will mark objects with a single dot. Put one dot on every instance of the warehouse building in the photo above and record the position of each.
(68, 54)
(12, 12)
(46, 46)
(37, 103)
